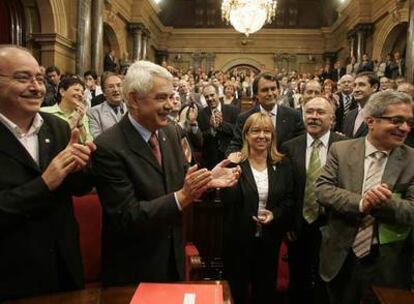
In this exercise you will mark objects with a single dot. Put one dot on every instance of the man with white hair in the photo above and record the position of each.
(143, 185)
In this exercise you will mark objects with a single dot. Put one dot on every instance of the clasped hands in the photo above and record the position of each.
(197, 181)
(71, 159)
(376, 197)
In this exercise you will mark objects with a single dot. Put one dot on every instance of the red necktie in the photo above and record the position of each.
(155, 147)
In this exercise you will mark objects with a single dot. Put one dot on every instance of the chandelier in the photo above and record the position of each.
(248, 16)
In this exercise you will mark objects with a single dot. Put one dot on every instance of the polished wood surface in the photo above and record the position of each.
(393, 296)
(111, 295)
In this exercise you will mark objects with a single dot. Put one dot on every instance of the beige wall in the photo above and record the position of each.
(305, 47)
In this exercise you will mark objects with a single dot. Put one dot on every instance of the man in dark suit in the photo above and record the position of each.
(304, 236)
(110, 62)
(40, 162)
(216, 122)
(346, 101)
(368, 186)
(365, 84)
(288, 122)
(338, 71)
(143, 185)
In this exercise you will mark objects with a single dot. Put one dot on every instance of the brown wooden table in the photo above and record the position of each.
(111, 295)
(393, 296)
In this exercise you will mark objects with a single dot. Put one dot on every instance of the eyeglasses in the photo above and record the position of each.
(26, 78)
(398, 120)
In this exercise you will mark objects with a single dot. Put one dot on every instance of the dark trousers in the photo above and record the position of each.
(305, 284)
(251, 271)
(388, 265)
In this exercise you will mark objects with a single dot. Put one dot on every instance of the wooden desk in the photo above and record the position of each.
(111, 295)
(393, 296)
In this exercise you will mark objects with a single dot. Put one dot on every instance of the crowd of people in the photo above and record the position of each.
(321, 161)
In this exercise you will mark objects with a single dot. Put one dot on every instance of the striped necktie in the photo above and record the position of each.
(363, 239)
(310, 206)
(347, 104)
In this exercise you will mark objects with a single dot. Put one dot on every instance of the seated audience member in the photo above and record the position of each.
(110, 112)
(191, 136)
(229, 97)
(329, 92)
(256, 213)
(367, 184)
(308, 155)
(71, 106)
(41, 164)
(53, 76)
(366, 64)
(92, 87)
(216, 122)
(287, 121)
(143, 185)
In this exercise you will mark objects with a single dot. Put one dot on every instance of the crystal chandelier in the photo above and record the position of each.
(248, 16)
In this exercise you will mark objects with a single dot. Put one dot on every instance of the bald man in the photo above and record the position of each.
(41, 163)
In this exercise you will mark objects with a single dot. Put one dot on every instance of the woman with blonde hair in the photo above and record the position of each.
(257, 211)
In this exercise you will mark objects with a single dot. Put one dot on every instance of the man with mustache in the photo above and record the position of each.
(41, 168)
(143, 184)
(111, 111)
(365, 84)
(368, 186)
(307, 153)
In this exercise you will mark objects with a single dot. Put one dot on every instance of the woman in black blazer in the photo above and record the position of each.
(256, 212)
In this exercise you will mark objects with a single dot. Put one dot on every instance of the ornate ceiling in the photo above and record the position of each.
(207, 14)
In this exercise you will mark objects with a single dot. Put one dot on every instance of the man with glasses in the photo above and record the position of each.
(110, 112)
(368, 186)
(41, 168)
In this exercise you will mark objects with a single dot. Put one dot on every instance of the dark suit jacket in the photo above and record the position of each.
(39, 238)
(289, 124)
(335, 76)
(295, 149)
(339, 113)
(215, 142)
(349, 123)
(339, 188)
(241, 203)
(141, 221)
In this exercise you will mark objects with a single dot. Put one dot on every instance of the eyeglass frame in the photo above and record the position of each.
(28, 80)
(398, 120)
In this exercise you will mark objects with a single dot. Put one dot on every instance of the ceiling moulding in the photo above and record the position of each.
(120, 7)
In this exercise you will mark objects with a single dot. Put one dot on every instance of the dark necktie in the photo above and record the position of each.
(155, 147)
(93, 92)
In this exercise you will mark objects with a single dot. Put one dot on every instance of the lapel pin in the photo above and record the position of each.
(47, 140)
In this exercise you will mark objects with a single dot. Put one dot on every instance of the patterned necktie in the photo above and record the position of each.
(310, 206)
(155, 147)
(347, 104)
(363, 239)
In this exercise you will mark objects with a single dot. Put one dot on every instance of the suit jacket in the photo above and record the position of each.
(339, 113)
(289, 124)
(335, 76)
(339, 188)
(349, 123)
(295, 149)
(216, 141)
(240, 203)
(39, 237)
(141, 231)
(102, 117)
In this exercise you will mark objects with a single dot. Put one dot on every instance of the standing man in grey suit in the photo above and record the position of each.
(365, 84)
(110, 112)
(368, 186)
(41, 165)
(308, 155)
(143, 185)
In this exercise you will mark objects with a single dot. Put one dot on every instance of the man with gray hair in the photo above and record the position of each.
(368, 186)
(143, 185)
